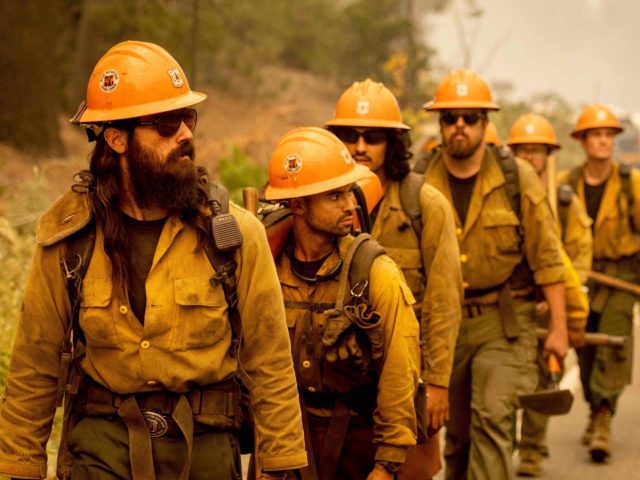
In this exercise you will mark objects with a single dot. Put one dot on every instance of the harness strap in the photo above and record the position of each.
(183, 416)
(310, 472)
(140, 452)
(334, 440)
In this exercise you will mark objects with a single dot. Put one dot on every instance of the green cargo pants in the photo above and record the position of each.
(489, 372)
(100, 446)
(605, 371)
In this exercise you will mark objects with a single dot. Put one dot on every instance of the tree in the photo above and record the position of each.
(36, 35)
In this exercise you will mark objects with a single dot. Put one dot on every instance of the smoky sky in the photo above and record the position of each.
(585, 50)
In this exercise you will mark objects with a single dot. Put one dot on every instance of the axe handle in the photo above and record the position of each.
(614, 282)
(593, 338)
(250, 199)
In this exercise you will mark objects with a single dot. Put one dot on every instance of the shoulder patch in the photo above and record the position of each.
(69, 214)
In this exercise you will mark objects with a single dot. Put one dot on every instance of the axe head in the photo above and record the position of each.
(548, 402)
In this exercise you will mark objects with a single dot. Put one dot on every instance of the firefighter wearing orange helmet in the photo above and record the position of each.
(610, 193)
(414, 222)
(533, 139)
(354, 336)
(508, 244)
(131, 288)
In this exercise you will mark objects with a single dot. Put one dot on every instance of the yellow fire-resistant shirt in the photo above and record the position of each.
(394, 416)
(490, 246)
(431, 267)
(613, 235)
(184, 340)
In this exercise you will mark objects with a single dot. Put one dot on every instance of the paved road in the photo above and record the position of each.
(570, 460)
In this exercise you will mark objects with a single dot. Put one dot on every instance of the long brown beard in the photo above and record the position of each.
(170, 185)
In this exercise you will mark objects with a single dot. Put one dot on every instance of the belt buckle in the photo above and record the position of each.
(156, 423)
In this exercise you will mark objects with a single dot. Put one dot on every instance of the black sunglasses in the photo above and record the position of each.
(167, 124)
(351, 135)
(471, 118)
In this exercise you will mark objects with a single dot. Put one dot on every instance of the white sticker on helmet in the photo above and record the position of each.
(176, 77)
(292, 163)
(362, 107)
(530, 129)
(109, 80)
(462, 90)
(602, 115)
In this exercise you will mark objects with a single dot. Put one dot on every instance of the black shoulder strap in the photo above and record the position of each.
(74, 261)
(410, 200)
(625, 179)
(360, 266)
(564, 196)
(219, 194)
(225, 265)
(574, 177)
(422, 163)
(509, 167)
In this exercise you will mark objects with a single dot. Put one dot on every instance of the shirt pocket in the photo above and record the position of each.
(501, 228)
(97, 319)
(201, 318)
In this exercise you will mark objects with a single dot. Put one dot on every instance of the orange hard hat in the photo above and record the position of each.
(532, 128)
(462, 89)
(491, 135)
(367, 104)
(596, 115)
(134, 79)
(308, 161)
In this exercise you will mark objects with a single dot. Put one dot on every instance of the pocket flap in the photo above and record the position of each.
(96, 292)
(197, 291)
(497, 218)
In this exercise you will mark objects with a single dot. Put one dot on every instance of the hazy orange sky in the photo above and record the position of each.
(586, 50)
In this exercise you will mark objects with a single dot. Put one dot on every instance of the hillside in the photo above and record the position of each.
(252, 119)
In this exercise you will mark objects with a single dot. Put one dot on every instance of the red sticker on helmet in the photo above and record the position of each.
(109, 80)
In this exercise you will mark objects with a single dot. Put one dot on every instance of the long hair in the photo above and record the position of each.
(102, 184)
(398, 155)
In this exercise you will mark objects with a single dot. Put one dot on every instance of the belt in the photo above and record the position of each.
(490, 296)
(155, 414)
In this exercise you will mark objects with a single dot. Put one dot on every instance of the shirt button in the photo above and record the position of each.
(152, 383)
(311, 389)
(306, 364)
(465, 284)
(458, 231)
(145, 344)
(123, 309)
(463, 258)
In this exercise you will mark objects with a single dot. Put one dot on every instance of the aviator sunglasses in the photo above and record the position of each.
(167, 124)
(351, 135)
(451, 118)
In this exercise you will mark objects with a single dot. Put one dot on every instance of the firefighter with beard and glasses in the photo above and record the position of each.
(414, 222)
(152, 306)
(509, 244)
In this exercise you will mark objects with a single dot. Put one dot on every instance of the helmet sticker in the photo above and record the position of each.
(176, 77)
(530, 128)
(346, 156)
(292, 163)
(602, 115)
(462, 90)
(109, 80)
(362, 107)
